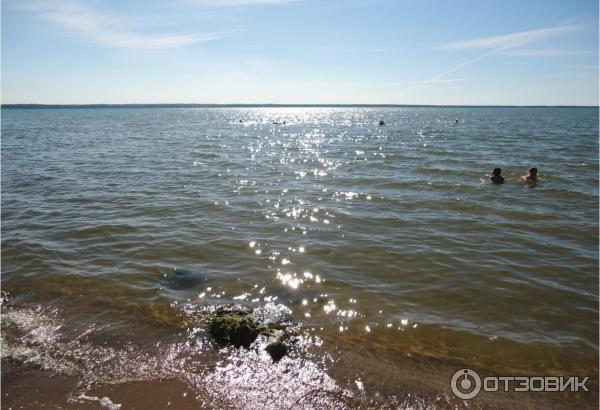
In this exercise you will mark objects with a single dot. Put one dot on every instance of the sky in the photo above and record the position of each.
(460, 52)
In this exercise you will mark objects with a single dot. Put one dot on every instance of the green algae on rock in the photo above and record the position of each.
(234, 325)
(238, 326)
(277, 350)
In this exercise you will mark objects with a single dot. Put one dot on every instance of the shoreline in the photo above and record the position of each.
(31, 386)
(268, 105)
(62, 369)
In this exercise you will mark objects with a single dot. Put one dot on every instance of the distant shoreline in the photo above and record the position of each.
(54, 106)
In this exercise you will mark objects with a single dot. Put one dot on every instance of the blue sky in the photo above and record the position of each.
(524, 52)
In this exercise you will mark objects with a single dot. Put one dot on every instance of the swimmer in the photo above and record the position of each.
(381, 123)
(496, 178)
(531, 177)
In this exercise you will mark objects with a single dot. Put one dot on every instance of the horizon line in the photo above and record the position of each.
(278, 105)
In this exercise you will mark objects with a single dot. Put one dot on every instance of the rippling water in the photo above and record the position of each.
(399, 259)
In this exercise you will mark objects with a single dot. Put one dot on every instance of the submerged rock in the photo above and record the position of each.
(277, 350)
(240, 326)
(4, 298)
(234, 325)
(183, 279)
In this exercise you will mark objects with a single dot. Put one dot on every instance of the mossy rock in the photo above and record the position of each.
(234, 325)
(277, 350)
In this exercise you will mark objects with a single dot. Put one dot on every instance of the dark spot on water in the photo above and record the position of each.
(183, 279)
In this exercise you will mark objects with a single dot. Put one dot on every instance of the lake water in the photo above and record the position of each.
(122, 228)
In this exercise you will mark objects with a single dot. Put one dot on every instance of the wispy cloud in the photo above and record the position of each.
(497, 45)
(570, 74)
(377, 50)
(107, 29)
(512, 40)
(549, 52)
(439, 77)
(580, 66)
(229, 3)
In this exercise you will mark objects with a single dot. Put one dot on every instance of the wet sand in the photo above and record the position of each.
(27, 387)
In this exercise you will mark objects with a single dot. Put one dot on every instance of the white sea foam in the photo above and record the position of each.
(104, 401)
(241, 379)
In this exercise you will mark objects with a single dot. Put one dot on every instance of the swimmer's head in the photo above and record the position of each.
(497, 172)
(533, 171)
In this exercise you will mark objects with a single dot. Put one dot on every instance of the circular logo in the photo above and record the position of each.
(465, 384)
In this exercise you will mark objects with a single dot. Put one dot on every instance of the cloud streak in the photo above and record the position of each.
(545, 52)
(512, 40)
(230, 3)
(440, 77)
(497, 45)
(107, 29)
